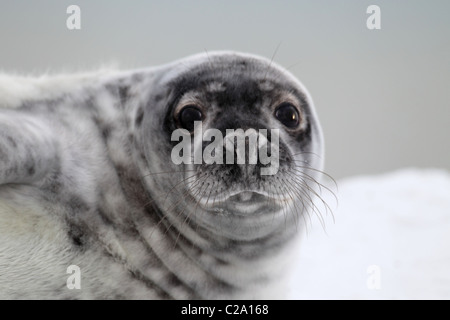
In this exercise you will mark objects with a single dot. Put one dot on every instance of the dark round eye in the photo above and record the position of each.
(288, 115)
(188, 115)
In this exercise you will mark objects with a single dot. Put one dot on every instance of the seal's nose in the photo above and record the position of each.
(242, 147)
(250, 150)
(244, 151)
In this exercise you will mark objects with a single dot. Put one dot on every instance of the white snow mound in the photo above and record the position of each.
(390, 240)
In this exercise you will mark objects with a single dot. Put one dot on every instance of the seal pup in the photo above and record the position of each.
(88, 183)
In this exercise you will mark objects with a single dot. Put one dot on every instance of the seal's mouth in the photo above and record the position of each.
(253, 196)
(246, 196)
(246, 202)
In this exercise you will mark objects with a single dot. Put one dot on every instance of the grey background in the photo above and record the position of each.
(382, 96)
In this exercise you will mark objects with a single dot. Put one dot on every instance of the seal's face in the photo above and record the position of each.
(230, 192)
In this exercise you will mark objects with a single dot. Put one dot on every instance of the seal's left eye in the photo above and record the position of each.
(288, 115)
(188, 115)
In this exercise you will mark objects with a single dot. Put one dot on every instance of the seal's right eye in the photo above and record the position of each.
(288, 115)
(188, 115)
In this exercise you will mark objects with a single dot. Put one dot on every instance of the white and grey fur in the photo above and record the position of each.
(86, 179)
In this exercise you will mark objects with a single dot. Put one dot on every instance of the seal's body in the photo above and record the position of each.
(87, 180)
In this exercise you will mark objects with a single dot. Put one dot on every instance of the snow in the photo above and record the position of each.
(390, 240)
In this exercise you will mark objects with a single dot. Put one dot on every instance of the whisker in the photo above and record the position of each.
(301, 194)
(167, 193)
(272, 201)
(197, 194)
(284, 212)
(292, 190)
(320, 185)
(197, 223)
(174, 205)
(178, 215)
(293, 209)
(271, 60)
(303, 182)
(316, 210)
(319, 171)
(185, 180)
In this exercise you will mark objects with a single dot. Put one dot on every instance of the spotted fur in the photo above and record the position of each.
(86, 179)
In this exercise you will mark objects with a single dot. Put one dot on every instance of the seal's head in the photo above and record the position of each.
(208, 181)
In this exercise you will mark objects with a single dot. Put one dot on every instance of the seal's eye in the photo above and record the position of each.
(288, 115)
(188, 115)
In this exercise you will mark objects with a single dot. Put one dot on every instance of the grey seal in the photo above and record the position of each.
(87, 180)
